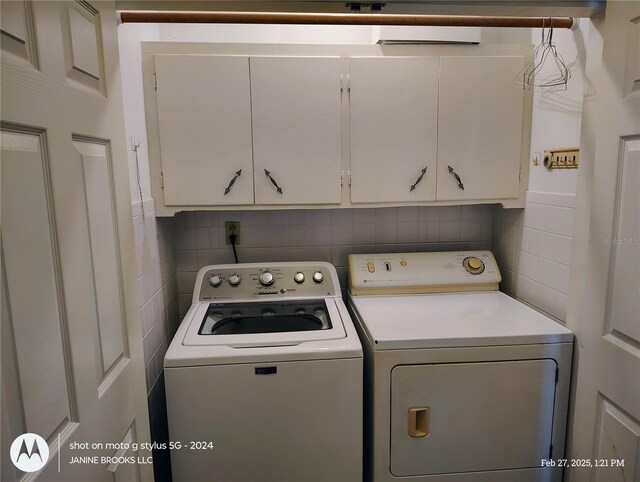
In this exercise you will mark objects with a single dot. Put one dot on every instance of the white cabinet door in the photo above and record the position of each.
(296, 129)
(479, 128)
(204, 117)
(394, 110)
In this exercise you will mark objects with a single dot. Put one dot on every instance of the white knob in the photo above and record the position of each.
(215, 280)
(266, 278)
(299, 277)
(234, 280)
(318, 277)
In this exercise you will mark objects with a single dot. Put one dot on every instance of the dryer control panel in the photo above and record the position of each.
(252, 281)
(398, 273)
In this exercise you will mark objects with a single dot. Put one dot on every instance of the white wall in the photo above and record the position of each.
(300, 34)
(280, 34)
(533, 245)
(155, 253)
(323, 235)
(129, 38)
(557, 116)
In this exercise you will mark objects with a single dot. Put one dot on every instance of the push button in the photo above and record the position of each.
(371, 267)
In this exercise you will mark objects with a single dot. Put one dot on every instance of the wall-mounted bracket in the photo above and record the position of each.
(561, 158)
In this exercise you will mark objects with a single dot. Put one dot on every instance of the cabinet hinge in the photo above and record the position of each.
(342, 178)
(161, 180)
(342, 82)
(520, 173)
(349, 174)
(155, 81)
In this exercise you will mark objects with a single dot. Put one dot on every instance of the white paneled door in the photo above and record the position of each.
(72, 367)
(604, 306)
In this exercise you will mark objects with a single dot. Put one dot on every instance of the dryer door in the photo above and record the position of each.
(467, 417)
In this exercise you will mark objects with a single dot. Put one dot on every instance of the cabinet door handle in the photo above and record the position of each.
(232, 182)
(273, 181)
(415, 184)
(455, 174)
(419, 421)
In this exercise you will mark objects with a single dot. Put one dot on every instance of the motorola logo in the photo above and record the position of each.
(29, 452)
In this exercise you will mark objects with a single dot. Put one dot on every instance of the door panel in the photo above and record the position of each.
(394, 129)
(82, 45)
(296, 129)
(96, 167)
(204, 116)
(125, 472)
(32, 273)
(72, 365)
(16, 31)
(605, 278)
(479, 127)
(509, 404)
(618, 444)
(623, 301)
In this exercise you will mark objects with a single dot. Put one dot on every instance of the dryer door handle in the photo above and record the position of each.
(419, 421)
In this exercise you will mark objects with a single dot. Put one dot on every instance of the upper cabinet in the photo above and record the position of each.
(394, 129)
(297, 134)
(232, 126)
(227, 122)
(204, 121)
(479, 128)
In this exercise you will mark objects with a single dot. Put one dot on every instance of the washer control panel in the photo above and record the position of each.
(248, 281)
(397, 273)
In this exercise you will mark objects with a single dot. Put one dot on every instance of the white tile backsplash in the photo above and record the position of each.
(533, 249)
(449, 213)
(428, 213)
(385, 232)
(157, 262)
(322, 235)
(387, 215)
(341, 216)
(449, 230)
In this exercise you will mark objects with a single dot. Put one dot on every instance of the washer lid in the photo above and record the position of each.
(188, 349)
(269, 323)
(454, 320)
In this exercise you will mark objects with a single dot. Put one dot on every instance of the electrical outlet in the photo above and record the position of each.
(231, 227)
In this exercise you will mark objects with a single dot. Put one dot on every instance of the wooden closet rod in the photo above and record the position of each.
(343, 19)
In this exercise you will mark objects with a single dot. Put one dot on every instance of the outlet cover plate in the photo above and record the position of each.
(232, 227)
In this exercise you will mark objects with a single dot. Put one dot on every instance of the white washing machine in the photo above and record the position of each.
(264, 378)
(462, 382)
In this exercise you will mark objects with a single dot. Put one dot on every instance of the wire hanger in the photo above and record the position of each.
(545, 53)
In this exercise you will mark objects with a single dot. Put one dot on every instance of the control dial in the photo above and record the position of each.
(473, 265)
(215, 280)
(266, 278)
(234, 280)
(299, 277)
(318, 277)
